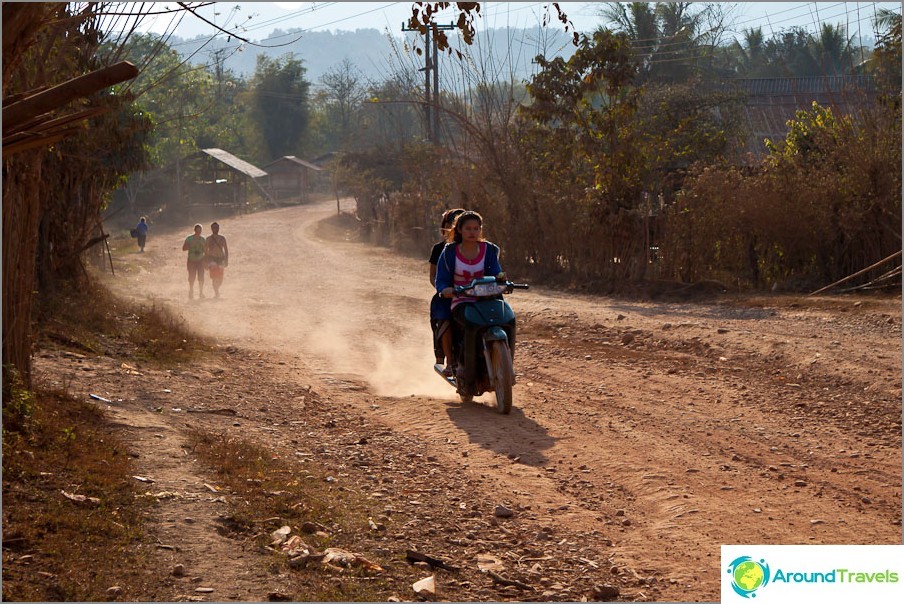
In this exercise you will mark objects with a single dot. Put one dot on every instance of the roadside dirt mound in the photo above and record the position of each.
(644, 434)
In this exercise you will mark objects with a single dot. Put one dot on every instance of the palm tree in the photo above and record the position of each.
(832, 50)
(752, 53)
(668, 37)
(638, 21)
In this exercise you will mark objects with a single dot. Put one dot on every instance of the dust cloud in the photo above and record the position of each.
(408, 370)
(337, 306)
(394, 356)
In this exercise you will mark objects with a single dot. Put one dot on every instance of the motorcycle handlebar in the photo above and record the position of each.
(458, 289)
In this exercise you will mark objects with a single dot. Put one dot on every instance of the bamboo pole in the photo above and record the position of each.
(16, 114)
(857, 274)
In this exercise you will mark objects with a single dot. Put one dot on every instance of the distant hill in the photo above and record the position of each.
(369, 49)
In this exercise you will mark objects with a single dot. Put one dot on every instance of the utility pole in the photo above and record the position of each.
(431, 63)
(427, 105)
(218, 68)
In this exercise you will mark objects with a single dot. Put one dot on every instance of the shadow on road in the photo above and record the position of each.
(513, 435)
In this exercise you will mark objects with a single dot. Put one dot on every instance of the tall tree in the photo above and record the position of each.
(280, 105)
(833, 50)
(886, 60)
(343, 94)
(672, 40)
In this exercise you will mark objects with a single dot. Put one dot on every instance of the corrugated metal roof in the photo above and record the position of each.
(823, 85)
(770, 102)
(294, 160)
(235, 163)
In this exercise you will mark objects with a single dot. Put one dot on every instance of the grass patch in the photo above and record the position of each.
(55, 548)
(271, 492)
(92, 320)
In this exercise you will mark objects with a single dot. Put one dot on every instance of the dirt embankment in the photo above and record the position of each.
(644, 435)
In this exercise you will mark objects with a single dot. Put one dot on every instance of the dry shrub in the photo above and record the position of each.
(824, 205)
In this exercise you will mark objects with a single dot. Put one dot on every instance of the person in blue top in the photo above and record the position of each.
(467, 257)
(441, 308)
(141, 231)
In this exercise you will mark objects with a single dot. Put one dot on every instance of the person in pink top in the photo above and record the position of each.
(468, 256)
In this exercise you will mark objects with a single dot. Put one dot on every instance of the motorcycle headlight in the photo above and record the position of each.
(487, 289)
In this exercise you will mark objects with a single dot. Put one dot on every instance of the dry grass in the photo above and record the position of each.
(271, 492)
(55, 548)
(95, 321)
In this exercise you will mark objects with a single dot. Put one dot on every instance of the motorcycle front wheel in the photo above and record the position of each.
(504, 375)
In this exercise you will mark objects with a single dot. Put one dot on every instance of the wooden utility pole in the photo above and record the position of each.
(431, 64)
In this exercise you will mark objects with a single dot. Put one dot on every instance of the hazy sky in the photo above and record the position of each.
(258, 19)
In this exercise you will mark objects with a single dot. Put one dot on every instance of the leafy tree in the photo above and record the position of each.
(280, 105)
(752, 61)
(175, 95)
(885, 62)
(581, 137)
(340, 101)
(390, 116)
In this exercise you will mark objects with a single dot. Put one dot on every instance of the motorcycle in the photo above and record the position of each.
(490, 330)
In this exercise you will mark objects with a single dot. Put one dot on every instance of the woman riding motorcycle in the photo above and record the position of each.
(467, 257)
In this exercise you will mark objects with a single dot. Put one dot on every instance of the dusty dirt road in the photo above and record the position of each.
(657, 430)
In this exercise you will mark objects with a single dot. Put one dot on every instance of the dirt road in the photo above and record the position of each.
(665, 429)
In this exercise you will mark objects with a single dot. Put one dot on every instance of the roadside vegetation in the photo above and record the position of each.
(73, 524)
(73, 518)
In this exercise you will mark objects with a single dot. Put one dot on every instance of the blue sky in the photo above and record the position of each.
(260, 18)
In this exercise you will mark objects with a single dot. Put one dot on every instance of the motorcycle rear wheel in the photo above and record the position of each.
(504, 373)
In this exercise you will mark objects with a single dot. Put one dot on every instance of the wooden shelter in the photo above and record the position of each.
(213, 178)
(291, 179)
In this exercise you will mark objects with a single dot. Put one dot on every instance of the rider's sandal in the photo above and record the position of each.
(449, 370)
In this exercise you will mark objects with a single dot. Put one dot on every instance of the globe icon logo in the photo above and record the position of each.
(748, 575)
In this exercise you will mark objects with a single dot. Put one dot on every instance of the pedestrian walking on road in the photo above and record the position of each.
(216, 254)
(141, 233)
(194, 245)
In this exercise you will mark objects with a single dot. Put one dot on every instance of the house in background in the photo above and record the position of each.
(770, 102)
(207, 182)
(291, 179)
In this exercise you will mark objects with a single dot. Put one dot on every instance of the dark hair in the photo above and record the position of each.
(449, 217)
(460, 220)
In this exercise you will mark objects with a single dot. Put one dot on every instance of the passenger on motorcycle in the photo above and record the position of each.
(440, 308)
(467, 257)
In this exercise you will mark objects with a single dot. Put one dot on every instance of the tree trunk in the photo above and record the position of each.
(21, 213)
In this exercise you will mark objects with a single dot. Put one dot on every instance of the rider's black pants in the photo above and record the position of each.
(467, 338)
